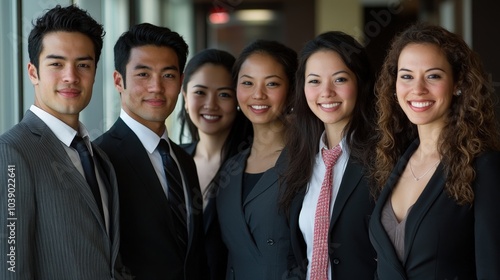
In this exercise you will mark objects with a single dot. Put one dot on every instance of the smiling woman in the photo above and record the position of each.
(424, 84)
(255, 232)
(218, 131)
(324, 186)
(436, 171)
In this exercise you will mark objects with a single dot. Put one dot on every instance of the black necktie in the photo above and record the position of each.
(88, 169)
(175, 192)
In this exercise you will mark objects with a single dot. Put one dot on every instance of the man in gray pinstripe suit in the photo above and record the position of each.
(52, 226)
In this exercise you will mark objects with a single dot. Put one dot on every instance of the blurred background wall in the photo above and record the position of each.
(230, 25)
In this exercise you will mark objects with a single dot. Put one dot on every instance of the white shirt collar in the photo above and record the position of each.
(324, 144)
(148, 138)
(63, 132)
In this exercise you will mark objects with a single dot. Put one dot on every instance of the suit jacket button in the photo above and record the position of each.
(270, 242)
(336, 261)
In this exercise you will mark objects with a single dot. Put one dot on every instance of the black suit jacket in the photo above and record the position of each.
(255, 232)
(214, 246)
(350, 252)
(148, 243)
(442, 239)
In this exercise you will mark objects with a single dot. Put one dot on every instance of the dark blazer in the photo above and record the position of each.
(255, 232)
(350, 252)
(57, 231)
(442, 239)
(148, 245)
(214, 246)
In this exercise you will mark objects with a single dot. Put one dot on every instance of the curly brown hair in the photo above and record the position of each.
(471, 126)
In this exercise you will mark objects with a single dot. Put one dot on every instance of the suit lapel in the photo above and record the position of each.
(298, 243)
(267, 180)
(378, 235)
(109, 178)
(424, 202)
(68, 175)
(139, 161)
(352, 176)
(233, 200)
(191, 190)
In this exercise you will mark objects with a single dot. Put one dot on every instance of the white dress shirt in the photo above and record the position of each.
(308, 211)
(150, 141)
(66, 134)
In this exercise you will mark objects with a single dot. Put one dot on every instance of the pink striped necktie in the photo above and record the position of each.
(319, 265)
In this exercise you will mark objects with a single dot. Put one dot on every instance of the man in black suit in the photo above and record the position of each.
(161, 205)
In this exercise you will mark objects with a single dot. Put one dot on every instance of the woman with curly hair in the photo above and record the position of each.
(437, 166)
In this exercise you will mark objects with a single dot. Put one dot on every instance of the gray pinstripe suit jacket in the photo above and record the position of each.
(57, 232)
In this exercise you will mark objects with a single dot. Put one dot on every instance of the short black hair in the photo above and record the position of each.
(148, 34)
(68, 19)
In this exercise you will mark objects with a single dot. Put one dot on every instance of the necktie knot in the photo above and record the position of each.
(163, 148)
(330, 156)
(79, 145)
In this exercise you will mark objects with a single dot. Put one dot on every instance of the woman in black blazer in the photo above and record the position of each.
(334, 105)
(254, 231)
(218, 131)
(439, 201)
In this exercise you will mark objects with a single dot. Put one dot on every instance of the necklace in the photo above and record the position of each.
(420, 177)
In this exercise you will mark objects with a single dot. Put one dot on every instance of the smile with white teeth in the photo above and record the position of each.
(421, 104)
(210, 117)
(259, 107)
(329, 105)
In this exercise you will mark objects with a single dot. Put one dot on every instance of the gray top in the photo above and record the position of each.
(395, 229)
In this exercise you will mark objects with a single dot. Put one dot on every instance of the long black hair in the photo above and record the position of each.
(241, 131)
(305, 129)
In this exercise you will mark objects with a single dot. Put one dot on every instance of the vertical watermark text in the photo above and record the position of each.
(11, 218)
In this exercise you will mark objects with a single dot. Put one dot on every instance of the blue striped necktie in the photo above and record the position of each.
(88, 169)
(175, 192)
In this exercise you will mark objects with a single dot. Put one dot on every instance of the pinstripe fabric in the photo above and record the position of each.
(59, 232)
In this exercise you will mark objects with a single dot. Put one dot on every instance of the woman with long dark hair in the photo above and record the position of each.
(218, 131)
(255, 232)
(333, 116)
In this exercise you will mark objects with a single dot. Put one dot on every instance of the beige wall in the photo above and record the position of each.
(341, 15)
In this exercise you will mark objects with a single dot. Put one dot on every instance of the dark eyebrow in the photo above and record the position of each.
(226, 88)
(141, 66)
(336, 73)
(221, 88)
(340, 72)
(246, 76)
(53, 56)
(267, 77)
(431, 69)
(273, 76)
(435, 68)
